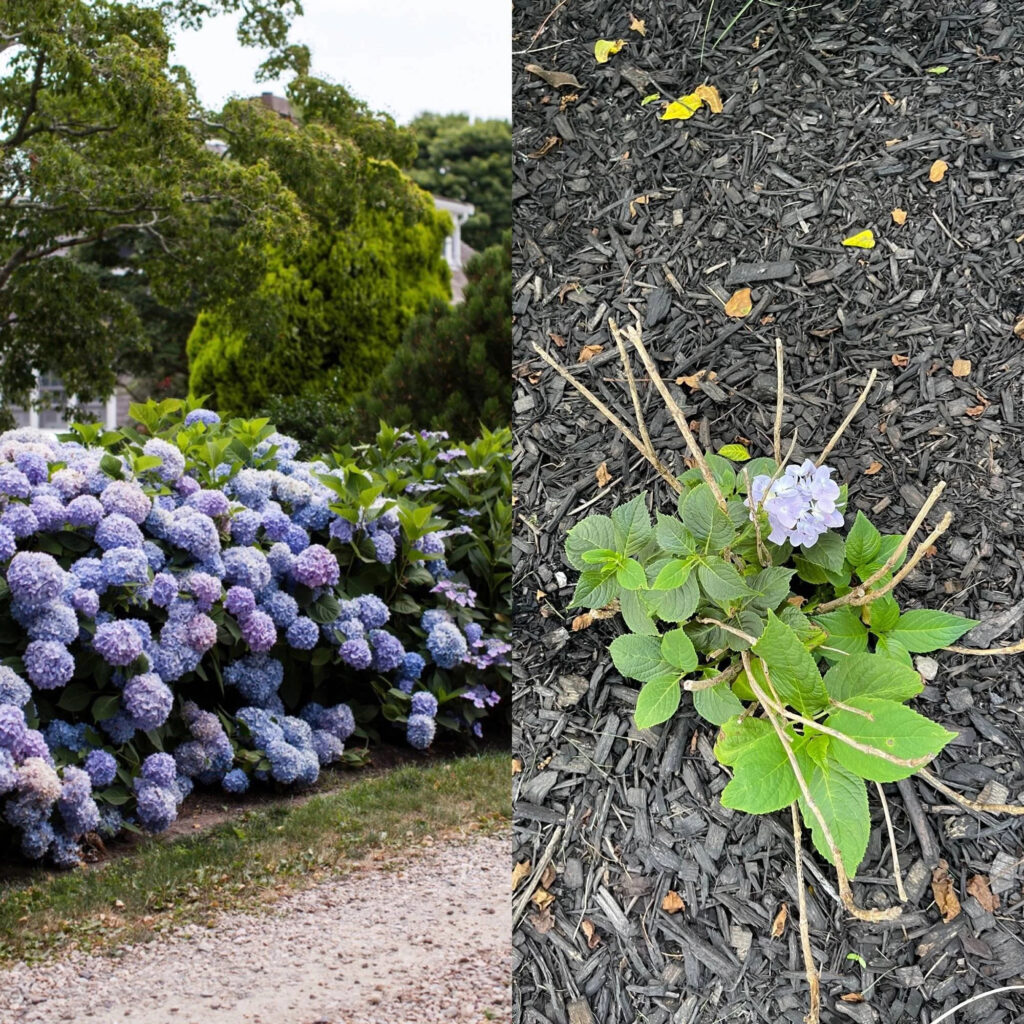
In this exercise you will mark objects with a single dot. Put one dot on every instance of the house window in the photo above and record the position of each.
(52, 396)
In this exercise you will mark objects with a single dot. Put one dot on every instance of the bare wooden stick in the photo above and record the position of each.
(780, 398)
(662, 469)
(1016, 648)
(813, 1014)
(633, 333)
(896, 873)
(727, 675)
(963, 801)
(859, 593)
(631, 383)
(834, 440)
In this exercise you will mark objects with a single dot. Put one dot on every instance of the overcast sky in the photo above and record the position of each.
(399, 56)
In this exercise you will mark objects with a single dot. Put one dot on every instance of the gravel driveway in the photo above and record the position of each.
(424, 943)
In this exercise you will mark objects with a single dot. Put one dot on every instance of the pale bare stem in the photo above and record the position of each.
(963, 801)
(859, 594)
(805, 931)
(762, 552)
(706, 684)
(663, 470)
(633, 333)
(780, 468)
(1016, 648)
(779, 401)
(729, 629)
(896, 873)
(834, 440)
(631, 382)
(845, 892)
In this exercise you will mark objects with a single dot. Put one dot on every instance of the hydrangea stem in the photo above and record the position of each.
(848, 419)
(813, 1013)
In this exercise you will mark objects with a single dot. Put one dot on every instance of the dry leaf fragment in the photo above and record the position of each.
(542, 898)
(901, 361)
(557, 339)
(589, 351)
(604, 48)
(861, 240)
(852, 997)
(873, 469)
(779, 924)
(604, 478)
(673, 902)
(636, 25)
(899, 216)
(976, 410)
(710, 95)
(944, 893)
(593, 939)
(520, 873)
(938, 171)
(549, 144)
(548, 878)
(683, 108)
(739, 304)
(796, 600)
(1018, 328)
(556, 79)
(582, 621)
(543, 922)
(978, 887)
(888, 99)
(961, 367)
(692, 381)
(638, 201)
(517, 767)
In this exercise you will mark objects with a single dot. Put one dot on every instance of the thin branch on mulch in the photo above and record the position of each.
(963, 801)
(805, 928)
(780, 395)
(896, 873)
(848, 419)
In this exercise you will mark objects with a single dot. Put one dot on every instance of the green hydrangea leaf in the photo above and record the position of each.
(673, 536)
(891, 648)
(734, 453)
(882, 614)
(842, 799)
(673, 574)
(675, 605)
(677, 650)
(871, 675)
(845, 631)
(640, 657)
(770, 586)
(594, 532)
(763, 779)
(927, 629)
(828, 552)
(721, 582)
(594, 589)
(702, 517)
(636, 614)
(793, 671)
(631, 576)
(863, 542)
(717, 704)
(657, 702)
(632, 525)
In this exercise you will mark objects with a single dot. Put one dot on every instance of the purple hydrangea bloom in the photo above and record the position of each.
(413, 665)
(205, 416)
(447, 645)
(371, 611)
(384, 548)
(123, 566)
(120, 728)
(187, 485)
(245, 525)
(252, 488)
(68, 482)
(76, 805)
(236, 781)
(13, 689)
(801, 504)
(246, 567)
(172, 460)
(35, 578)
(128, 498)
(89, 573)
(48, 664)
(458, 593)
(14, 483)
(276, 523)
(240, 602)
(302, 634)
(316, 567)
(33, 465)
(338, 721)
(156, 806)
(327, 747)
(424, 703)
(205, 588)
(12, 726)
(281, 607)
(341, 530)
(54, 622)
(388, 652)
(280, 559)
(118, 531)
(356, 653)
(210, 503)
(85, 510)
(117, 643)
(50, 513)
(430, 544)
(432, 618)
(481, 696)
(8, 543)
(161, 769)
(201, 632)
(259, 631)
(194, 532)
(165, 589)
(419, 731)
(101, 766)
(148, 700)
(20, 520)
(155, 556)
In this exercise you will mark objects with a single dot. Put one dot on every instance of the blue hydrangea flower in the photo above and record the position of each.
(117, 643)
(187, 485)
(252, 488)
(236, 781)
(49, 511)
(118, 531)
(371, 611)
(8, 543)
(124, 566)
(413, 665)
(172, 460)
(256, 676)
(338, 721)
(447, 645)
(205, 416)
(240, 602)
(205, 588)
(13, 689)
(56, 621)
(801, 504)
(432, 618)
(356, 653)
(128, 498)
(245, 525)
(424, 703)
(341, 530)
(259, 631)
(282, 608)
(297, 539)
(120, 728)
(430, 544)
(20, 520)
(48, 664)
(327, 747)
(419, 731)
(161, 769)
(316, 567)
(14, 483)
(165, 589)
(210, 503)
(388, 652)
(194, 532)
(201, 633)
(302, 634)
(76, 805)
(148, 700)
(101, 766)
(12, 726)
(35, 578)
(246, 567)
(276, 522)
(156, 806)
(384, 548)
(85, 510)
(287, 447)
(281, 560)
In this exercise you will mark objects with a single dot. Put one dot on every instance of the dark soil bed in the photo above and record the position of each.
(615, 208)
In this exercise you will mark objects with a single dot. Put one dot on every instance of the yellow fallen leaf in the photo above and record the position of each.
(739, 304)
(938, 171)
(604, 48)
(779, 924)
(709, 94)
(633, 203)
(589, 351)
(888, 99)
(899, 216)
(542, 898)
(637, 24)
(861, 240)
(673, 902)
(520, 873)
(604, 478)
(961, 367)
(683, 108)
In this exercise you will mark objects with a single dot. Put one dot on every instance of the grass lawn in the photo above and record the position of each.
(247, 862)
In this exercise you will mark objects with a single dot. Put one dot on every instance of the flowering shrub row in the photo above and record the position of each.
(190, 603)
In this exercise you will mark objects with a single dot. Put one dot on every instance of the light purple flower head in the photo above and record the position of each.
(801, 504)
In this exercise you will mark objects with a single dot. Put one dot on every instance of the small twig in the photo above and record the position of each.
(963, 801)
(805, 929)
(848, 419)
(690, 685)
(779, 401)
(524, 897)
(948, 1014)
(631, 382)
(633, 333)
(663, 470)
(897, 874)
(729, 629)
(543, 24)
(1016, 648)
(763, 554)
(859, 594)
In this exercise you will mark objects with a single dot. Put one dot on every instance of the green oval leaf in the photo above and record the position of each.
(657, 702)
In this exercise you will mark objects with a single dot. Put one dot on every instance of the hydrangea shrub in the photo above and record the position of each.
(189, 603)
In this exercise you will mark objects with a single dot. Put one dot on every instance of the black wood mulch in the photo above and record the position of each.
(808, 151)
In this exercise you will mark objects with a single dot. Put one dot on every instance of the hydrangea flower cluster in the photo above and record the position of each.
(801, 503)
(134, 590)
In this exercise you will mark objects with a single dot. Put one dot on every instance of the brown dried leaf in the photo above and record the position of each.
(739, 304)
(557, 339)
(543, 922)
(938, 171)
(609, 611)
(779, 924)
(901, 361)
(1018, 328)
(852, 997)
(673, 902)
(888, 99)
(604, 478)
(589, 351)
(944, 893)
(961, 367)
(796, 600)
(519, 873)
(582, 621)
(710, 95)
(556, 79)
(899, 216)
(567, 98)
(593, 939)
(694, 379)
(517, 765)
(549, 144)
(635, 25)
(542, 898)
(873, 469)
(638, 201)
(548, 878)
(540, 595)
(976, 410)
(978, 887)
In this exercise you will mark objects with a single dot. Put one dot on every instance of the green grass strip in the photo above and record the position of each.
(246, 863)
